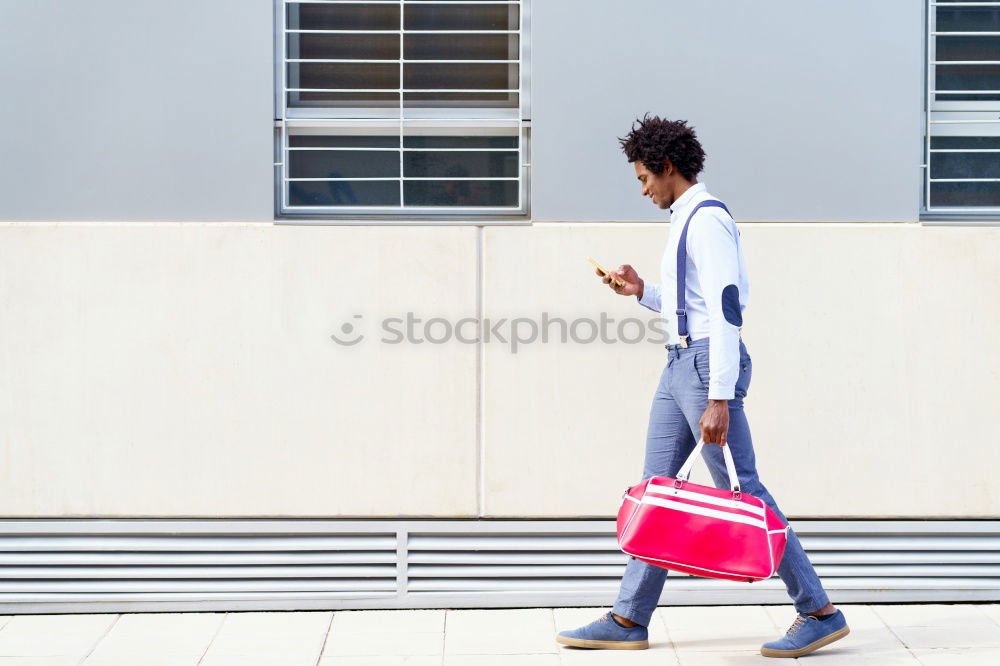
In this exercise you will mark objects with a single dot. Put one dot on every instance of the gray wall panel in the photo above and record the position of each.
(808, 111)
(125, 110)
(120, 110)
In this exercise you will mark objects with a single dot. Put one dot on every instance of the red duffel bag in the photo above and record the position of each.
(701, 530)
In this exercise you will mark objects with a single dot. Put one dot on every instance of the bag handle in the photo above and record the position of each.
(685, 471)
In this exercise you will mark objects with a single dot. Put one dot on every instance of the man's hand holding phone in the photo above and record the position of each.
(624, 281)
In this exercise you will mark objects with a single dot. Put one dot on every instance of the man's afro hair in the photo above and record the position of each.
(656, 139)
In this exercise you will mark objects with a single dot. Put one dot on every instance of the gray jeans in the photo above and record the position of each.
(673, 431)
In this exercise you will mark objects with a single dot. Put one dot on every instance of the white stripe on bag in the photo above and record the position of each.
(702, 511)
(706, 499)
(692, 566)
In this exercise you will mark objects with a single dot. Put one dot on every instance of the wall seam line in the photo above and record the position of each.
(480, 378)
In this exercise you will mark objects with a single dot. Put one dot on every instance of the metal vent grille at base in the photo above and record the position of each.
(97, 565)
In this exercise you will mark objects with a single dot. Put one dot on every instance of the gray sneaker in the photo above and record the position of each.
(605, 633)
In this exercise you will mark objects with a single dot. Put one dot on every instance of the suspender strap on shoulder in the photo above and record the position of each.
(682, 324)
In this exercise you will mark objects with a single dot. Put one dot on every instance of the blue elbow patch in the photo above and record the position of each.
(731, 305)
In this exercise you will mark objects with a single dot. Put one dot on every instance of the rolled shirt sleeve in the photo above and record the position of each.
(713, 249)
(650, 296)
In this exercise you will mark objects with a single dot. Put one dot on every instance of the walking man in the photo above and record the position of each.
(703, 385)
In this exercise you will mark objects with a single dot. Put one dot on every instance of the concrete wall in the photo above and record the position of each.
(874, 358)
(186, 370)
(138, 111)
(154, 362)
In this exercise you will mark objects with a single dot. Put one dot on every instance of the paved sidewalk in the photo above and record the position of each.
(882, 635)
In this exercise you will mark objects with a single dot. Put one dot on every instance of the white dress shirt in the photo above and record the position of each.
(714, 262)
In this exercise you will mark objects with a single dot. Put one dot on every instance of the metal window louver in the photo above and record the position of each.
(962, 132)
(91, 565)
(401, 108)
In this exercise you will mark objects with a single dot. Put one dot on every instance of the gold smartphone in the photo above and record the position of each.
(604, 270)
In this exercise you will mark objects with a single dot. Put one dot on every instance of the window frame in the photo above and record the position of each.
(513, 121)
(952, 118)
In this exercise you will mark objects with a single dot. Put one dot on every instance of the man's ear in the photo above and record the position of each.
(668, 167)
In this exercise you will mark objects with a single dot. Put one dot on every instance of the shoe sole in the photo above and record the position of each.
(602, 645)
(812, 647)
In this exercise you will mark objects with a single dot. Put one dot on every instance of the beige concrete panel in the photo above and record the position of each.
(826, 328)
(861, 403)
(187, 370)
(954, 366)
(859, 399)
(565, 422)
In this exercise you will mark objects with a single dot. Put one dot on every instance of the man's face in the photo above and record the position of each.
(654, 186)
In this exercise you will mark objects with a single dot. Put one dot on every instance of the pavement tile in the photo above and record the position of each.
(940, 626)
(718, 628)
(958, 656)
(571, 656)
(502, 631)
(386, 633)
(144, 659)
(782, 618)
(419, 660)
(373, 644)
(71, 635)
(501, 660)
(247, 660)
(936, 635)
(838, 655)
(396, 621)
(730, 658)
(992, 611)
(165, 636)
(660, 650)
(267, 635)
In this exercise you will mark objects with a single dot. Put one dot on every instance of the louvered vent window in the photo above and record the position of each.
(402, 108)
(963, 108)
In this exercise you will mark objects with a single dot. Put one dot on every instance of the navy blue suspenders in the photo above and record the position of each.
(682, 255)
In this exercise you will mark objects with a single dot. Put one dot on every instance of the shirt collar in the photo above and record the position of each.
(684, 199)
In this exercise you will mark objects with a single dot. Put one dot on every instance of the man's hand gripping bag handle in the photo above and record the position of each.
(685, 471)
